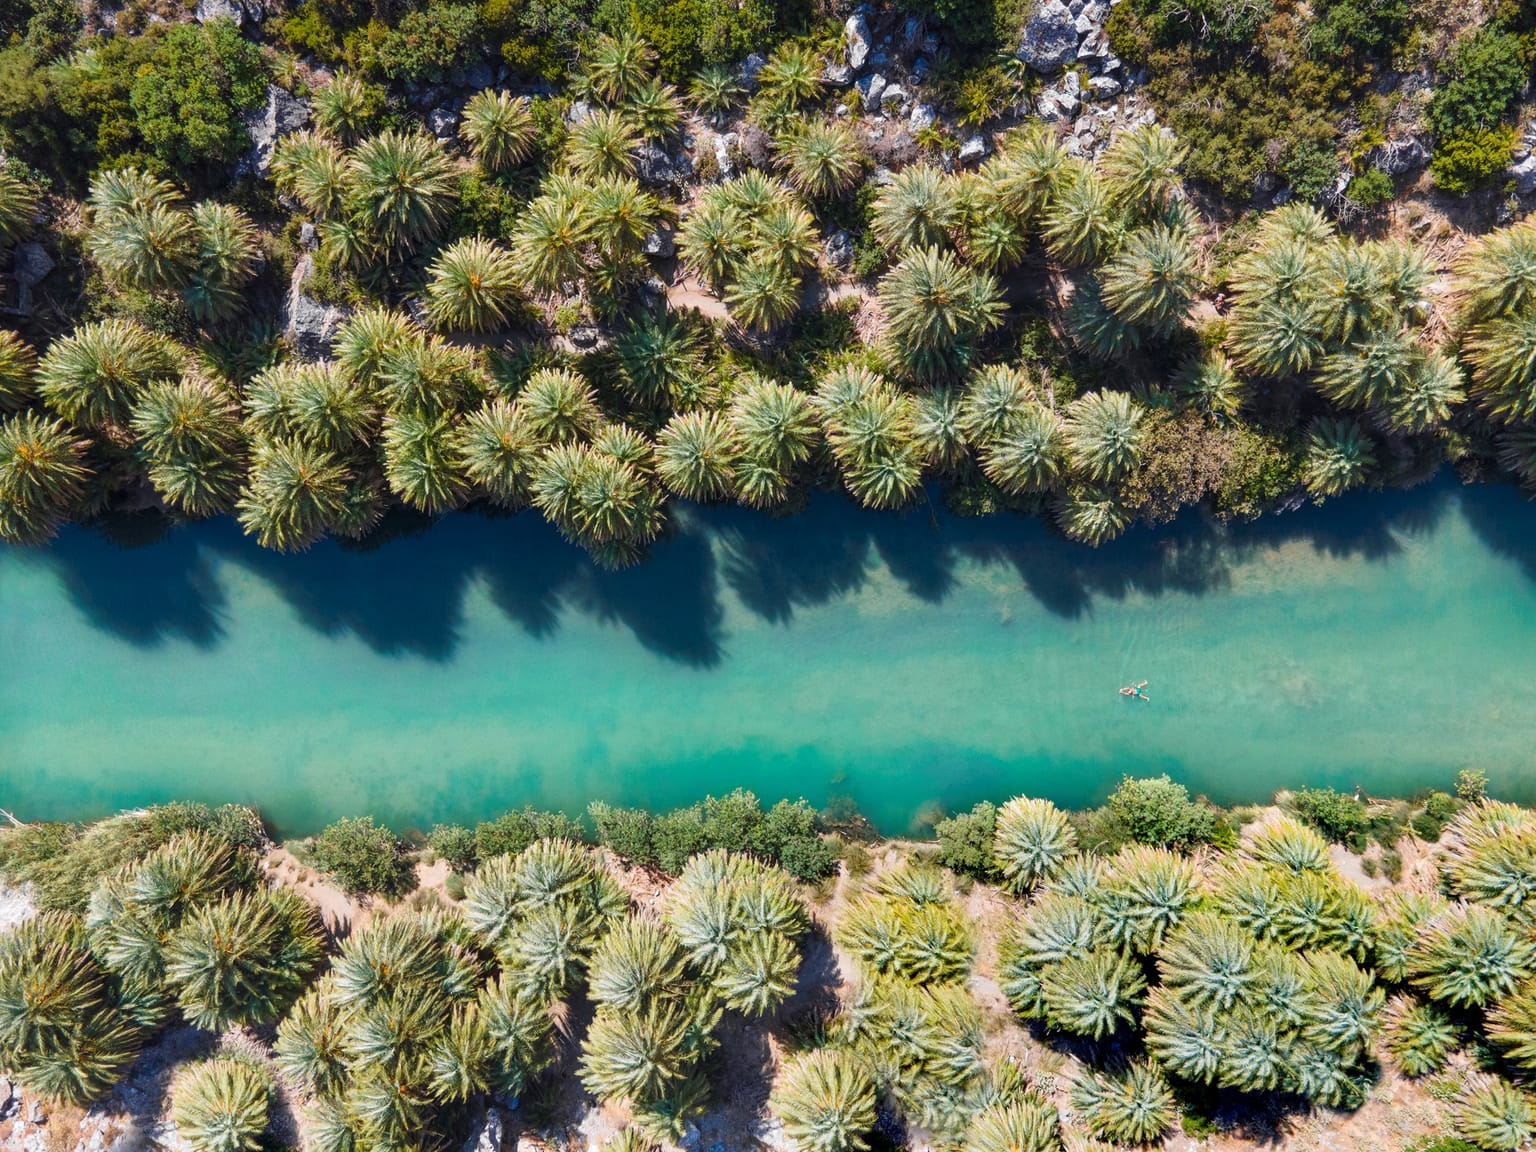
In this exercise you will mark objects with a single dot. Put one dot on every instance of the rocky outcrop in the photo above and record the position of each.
(487, 1137)
(242, 12)
(856, 40)
(309, 325)
(1050, 38)
(282, 114)
(656, 167)
(1398, 157)
(30, 265)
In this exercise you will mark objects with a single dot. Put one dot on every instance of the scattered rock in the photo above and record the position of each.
(856, 40)
(1398, 157)
(309, 237)
(487, 1138)
(659, 244)
(1104, 87)
(1060, 102)
(282, 115)
(586, 337)
(578, 113)
(723, 159)
(841, 110)
(443, 123)
(837, 75)
(475, 77)
(893, 94)
(838, 249)
(7, 1093)
(920, 70)
(973, 151)
(36, 1113)
(1095, 46)
(1050, 38)
(1524, 176)
(756, 145)
(923, 116)
(237, 10)
(30, 265)
(310, 325)
(748, 69)
(870, 87)
(654, 166)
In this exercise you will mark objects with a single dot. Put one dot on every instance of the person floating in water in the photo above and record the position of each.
(1138, 691)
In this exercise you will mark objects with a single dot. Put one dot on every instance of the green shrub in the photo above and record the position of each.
(965, 841)
(511, 833)
(1391, 864)
(428, 44)
(1472, 785)
(1159, 812)
(454, 887)
(1482, 83)
(363, 857)
(1464, 162)
(1428, 824)
(1337, 816)
(626, 832)
(455, 844)
(1371, 189)
(692, 34)
(188, 98)
(1357, 27)
(1308, 166)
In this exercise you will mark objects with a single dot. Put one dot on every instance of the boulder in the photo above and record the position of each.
(923, 116)
(756, 145)
(892, 94)
(1398, 157)
(973, 151)
(1049, 41)
(239, 11)
(748, 69)
(488, 1135)
(1523, 174)
(7, 1094)
(443, 123)
(310, 325)
(838, 249)
(36, 1114)
(475, 77)
(837, 75)
(1056, 104)
(309, 237)
(30, 265)
(282, 115)
(870, 87)
(577, 113)
(659, 244)
(656, 167)
(856, 40)
(1104, 87)
(723, 159)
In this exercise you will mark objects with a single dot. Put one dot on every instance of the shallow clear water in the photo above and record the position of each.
(1385, 640)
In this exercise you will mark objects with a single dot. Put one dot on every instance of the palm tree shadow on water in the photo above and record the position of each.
(402, 592)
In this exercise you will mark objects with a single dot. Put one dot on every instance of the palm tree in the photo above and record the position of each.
(696, 455)
(420, 461)
(1210, 386)
(1370, 373)
(635, 1055)
(221, 1105)
(1021, 1122)
(1339, 455)
(714, 240)
(225, 258)
(1502, 352)
(916, 209)
(791, 78)
(18, 206)
(603, 145)
(786, 234)
(638, 963)
(1276, 337)
(1209, 962)
(152, 248)
(753, 193)
(1420, 1037)
(346, 107)
(714, 91)
(1151, 281)
(935, 309)
(1494, 1115)
(1295, 220)
(403, 186)
(189, 434)
(1092, 515)
(1496, 275)
(327, 409)
(293, 492)
(765, 293)
(1289, 846)
(658, 359)
(93, 376)
(311, 1047)
(826, 1100)
(558, 405)
(425, 376)
(1092, 993)
(759, 975)
(1470, 956)
(41, 476)
(499, 128)
(315, 171)
(1489, 858)
(777, 424)
(1101, 333)
(1083, 223)
(1033, 838)
(937, 427)
(1142, 167)
(890, 476)
(18, 365)
(461, 1059)
(1103, 435)
(655, 110)
(1351, 296)
(617, 66)
(1025, 177)
(497, 450)
(760, 483)
(550, 244)
(1511, 1024)
(1147, 895)
(1028, 457)
(620, 214)
(997, 397)
(1187, 1040)
(1134, 1106)
(1344, 1005)
(1429, 396)
(473, 285)
(823, 159)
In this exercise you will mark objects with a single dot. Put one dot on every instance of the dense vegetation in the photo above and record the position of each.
(1182, 957)
(1040, 332)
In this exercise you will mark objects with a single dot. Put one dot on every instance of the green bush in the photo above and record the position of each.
(1337, 816)
(1482, 83)
(965, 841)
(1371, 189)
(1472, 785)
(428, 44)
(1357, 27)
(1308, 166)
(693, 34)
(1465, 162)
(511, 833)
(188, 98)
(455, 844)
(363, 857)
(1392, 864)
(1158, 811)
(786, 834)
(626, 832)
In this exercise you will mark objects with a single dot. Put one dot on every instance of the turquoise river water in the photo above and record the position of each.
(905, 663)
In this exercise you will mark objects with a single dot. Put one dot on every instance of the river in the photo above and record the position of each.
(903, 663)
